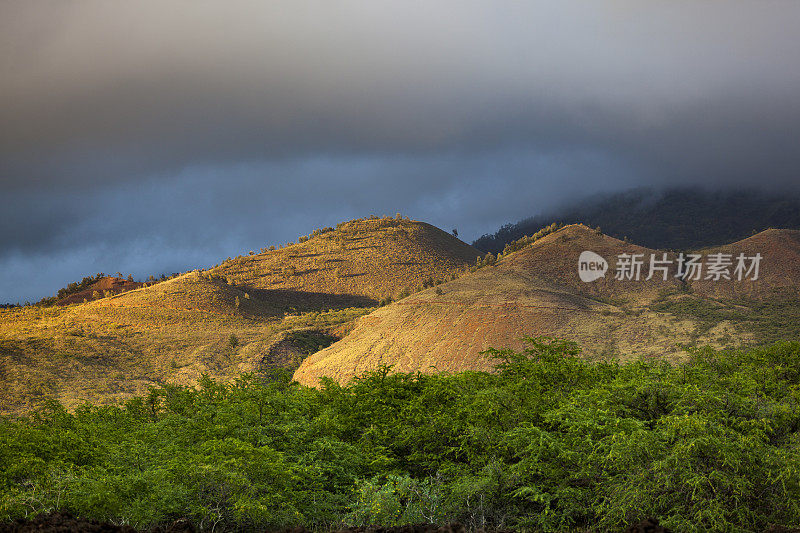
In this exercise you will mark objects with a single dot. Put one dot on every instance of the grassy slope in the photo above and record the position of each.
(536, 291)
(114, 347)
(370, 258)
(779, 272)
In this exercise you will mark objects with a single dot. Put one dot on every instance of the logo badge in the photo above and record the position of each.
(591, 266)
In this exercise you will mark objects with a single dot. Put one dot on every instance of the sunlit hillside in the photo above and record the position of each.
(171, 332)
(536, 291)
(247, 315)
(234, 318)
(376, 258)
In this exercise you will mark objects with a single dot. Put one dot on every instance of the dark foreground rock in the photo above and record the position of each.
(781, 529)
(62, 523)
(66, 523)
(648, 525)
(416, 528)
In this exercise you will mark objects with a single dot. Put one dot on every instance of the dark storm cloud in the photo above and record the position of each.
(98, 91)
(142, 134)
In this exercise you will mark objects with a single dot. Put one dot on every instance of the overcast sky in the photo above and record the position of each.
(157, 136)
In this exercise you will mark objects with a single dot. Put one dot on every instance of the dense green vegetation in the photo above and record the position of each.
(549, 443)
(685, 218)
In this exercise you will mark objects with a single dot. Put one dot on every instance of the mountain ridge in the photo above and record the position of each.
(232, 319)
(673, 218)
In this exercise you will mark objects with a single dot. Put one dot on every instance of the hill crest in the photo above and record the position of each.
(105, 286)
(376, 258)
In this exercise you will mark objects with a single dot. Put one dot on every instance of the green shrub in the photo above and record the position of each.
(549, 442)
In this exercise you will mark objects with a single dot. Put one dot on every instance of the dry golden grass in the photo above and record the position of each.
(373, 258)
